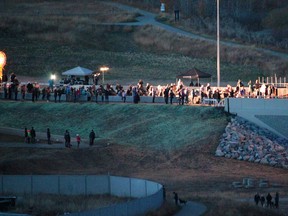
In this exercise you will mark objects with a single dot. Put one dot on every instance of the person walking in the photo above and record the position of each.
(48, 136)
(78, 140)
(91, 137)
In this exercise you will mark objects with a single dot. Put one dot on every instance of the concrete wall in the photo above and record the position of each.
(83, 98)
(257, 106)
(249, 108)
(149, 194)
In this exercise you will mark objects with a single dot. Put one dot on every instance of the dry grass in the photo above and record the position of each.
(178, 151)
(56, 38)
(46, 205)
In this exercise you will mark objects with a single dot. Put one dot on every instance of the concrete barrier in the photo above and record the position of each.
(148, 194)
(250, 108)
(83, 98)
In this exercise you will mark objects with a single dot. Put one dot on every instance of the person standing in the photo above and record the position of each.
(171, 94)
(269, 200)
(257, 198)
(164, 192)
(166, 94)
(23, 91)
(59, 93)
(55, 95)
(262, 200)
(277, 200)
(48, 92)
(78, 140)
(48, 136)
(176, 10)
(33, 135)
(176, 198)
(91, 137)
(26, 135)
(67, 139)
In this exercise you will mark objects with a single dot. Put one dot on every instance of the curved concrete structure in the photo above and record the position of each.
(148, 194)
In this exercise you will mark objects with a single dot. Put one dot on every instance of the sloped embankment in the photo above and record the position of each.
(243, 140)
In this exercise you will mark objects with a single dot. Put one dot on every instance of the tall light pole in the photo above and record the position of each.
(218, 44)
(103, 70)
(2, 63)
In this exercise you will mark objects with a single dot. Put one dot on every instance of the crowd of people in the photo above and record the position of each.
(30, 137)
(267, 201)
(170, 92)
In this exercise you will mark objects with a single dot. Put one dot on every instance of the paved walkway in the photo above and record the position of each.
(192, 209)
(148, 18)
(57, 140)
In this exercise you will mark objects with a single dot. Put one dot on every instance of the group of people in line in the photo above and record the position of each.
(267, 201)
(67, 139)
(30, 137)
(101, 93)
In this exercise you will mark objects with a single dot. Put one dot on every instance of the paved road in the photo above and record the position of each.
(148, 18)
(192, 209)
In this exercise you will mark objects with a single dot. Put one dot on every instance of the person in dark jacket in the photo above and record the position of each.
(91, 137)
(48, 136)
(67, 139)
(277, 200)
(262, 200)
(33, 135)
(176, 199)
(257, 198)
(26, 135)
(269, 200)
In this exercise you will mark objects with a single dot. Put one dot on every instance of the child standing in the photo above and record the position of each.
(78, 139)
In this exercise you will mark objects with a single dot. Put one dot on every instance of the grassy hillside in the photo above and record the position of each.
(157, 126)
(43, 37)
(173, 145)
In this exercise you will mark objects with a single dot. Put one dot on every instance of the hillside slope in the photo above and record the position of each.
(166, 127)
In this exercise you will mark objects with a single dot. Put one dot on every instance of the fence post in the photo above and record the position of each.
(85, 185)
(58, 185)
(109, 183)
(146, 188)
(31, 188)
(130, 187)
(2, 184)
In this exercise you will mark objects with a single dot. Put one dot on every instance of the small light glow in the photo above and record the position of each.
(104, 69)
(53, 76)
(2, 59)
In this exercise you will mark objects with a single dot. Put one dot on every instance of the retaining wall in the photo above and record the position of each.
(249, 108)
(149, 194)
(83, 98)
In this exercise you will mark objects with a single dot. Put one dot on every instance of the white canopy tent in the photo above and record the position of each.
(78, 71)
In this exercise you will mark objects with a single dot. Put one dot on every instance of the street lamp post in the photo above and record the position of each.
(2, 63)
(103, 70)
(218, 44)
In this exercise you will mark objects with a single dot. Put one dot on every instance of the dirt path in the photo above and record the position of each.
(148, 18)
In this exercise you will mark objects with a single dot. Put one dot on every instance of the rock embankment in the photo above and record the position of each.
(244, 140)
